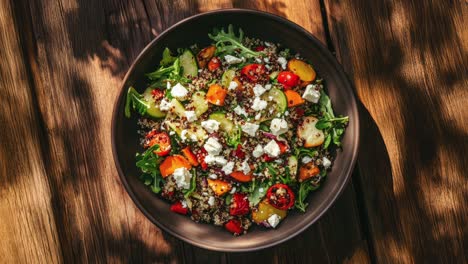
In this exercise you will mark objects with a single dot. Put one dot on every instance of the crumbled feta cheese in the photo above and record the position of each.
(183, 135)
(274, 220)
(227, 169)
(168, 85)
(211, 201)
(268, 66)
(239, 110)
(232, 60)
(259, 104)
(258, 116)
(191, 116)
(171, 133)
(310, 94)
(193, 137)
(212, 146)
(266, 60)
(210, 125)
(272, 149)
(268, 44)
(286, 113)
(215, 160)
(259, 90)
(258, 60)
(326, 162)
(278, 126)
(306, 159)
(182, 178)
(179, 91)
(245, 167)
(267, 86)
(233, 190)
(165, 105)
(213, 176)
(184, 204)
(261, 190)
(250, 128)
(232, 85)
(283, 62)
(258, 151)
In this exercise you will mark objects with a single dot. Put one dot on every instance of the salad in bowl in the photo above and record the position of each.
(235, 133)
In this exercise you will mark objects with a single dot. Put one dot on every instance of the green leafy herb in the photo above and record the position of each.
(148, 162)
(228, 199)
(234, 138)
(286, 179)
(302, 152)
(228, 42)
(304, 189)
(332, 126)
(165, 74)
(167, 58)
(193, 184)
(136, 101)
(259, 191)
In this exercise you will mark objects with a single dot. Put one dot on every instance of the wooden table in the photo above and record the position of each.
(61, 66)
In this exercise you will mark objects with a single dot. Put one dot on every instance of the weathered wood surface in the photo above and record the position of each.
(62, 63)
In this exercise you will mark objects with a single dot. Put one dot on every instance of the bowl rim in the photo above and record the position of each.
(340, 72)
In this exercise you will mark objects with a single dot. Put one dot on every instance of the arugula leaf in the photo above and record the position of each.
(167, 58)
(148, 162)
(136, 101)
(301, 152)
(304, 189)
(332, 126)
(193, 184)
(228, 42)
(172, 73)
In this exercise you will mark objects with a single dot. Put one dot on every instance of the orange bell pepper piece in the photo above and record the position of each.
(294, 98)
(307, 171)
(171, 163)
(216, 94)
(241, 177)
(192, 159)
(219, 187)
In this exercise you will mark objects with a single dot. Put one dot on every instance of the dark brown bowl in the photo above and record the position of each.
(267, 27)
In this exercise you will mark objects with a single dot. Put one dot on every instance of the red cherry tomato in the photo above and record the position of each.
(280, 196)
(238, 152)
(157, 94)
(239, 205)
(260, 48)
(162, 139)
(288, 79)
(254, 71)
(234, 226)
(177, 207)
(214, 64)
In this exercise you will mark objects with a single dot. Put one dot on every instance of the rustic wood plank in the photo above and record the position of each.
(409, 62)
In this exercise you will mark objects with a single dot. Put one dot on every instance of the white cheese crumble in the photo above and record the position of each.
(306, 159)
(239, 110)
(258, 116)
(210, 125)
(310, 94)
(283, 62)
(272, 149)
(171, 133)
(266, 60)
(259, 90)
(179, 91)
(191, 116)
(326, 162)
(183, 135)
(274, 220)
(232, 85)
(215, 160)
(278, 126)
(168, 85)
(258, 151)
(268, 44)
(211, 201)
(212, 146)
(245, 167)
(165, 105)
(213, 176)
(267, 86)
(250, 128)
(227, 169)
(258, 60)
(232, 59)
(182, 178)
(233, 190)
(259, 104)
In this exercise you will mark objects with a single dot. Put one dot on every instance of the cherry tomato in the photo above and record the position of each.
(288, 79)
(238, 152)
(239, 205)
(234, 226)
(214, 64)
(260, 48)
(159, 138)
(157, 94)
(280, 196)
(177, 207)
(254, 71)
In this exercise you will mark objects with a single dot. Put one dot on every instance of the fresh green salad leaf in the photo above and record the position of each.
(304, 189)
(332, 126)
(193, 184)
(167, 58)
(171, 73)
(136, 101)
(228, 42)
(148, 162)
(234, 138)
(259, 191)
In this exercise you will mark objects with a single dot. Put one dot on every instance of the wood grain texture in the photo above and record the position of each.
(61, 199)
(409, 62)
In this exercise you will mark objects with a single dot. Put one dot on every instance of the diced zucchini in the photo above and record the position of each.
(178, 108)
(273, 75)
(199, 103)
(191, 128)
(278, 103)
(225, 124)
(292, 164)
(153, 109)
(227, 77)
(188, 64)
